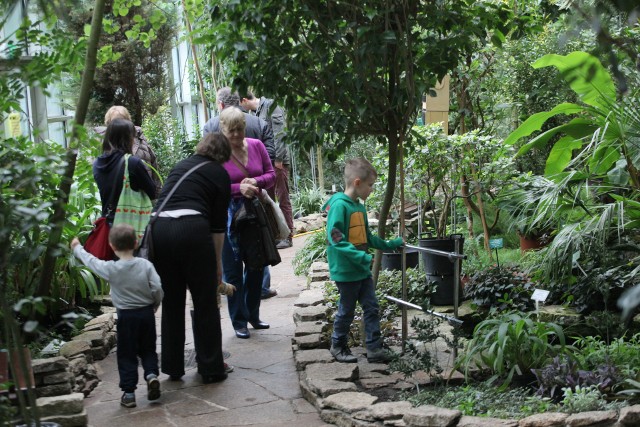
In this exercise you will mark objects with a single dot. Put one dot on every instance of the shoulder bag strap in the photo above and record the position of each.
(175, 187)
(113, 201)
(240, 165)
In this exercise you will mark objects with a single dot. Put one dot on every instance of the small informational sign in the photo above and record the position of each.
(540, 295)
(496, 243)
(13, 125)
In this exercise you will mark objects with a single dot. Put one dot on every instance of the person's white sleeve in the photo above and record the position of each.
(98, 266)
(156, 286)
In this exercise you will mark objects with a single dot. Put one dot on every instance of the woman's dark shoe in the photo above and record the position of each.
(243, 333)
(175, 377)
(259, 325)
(215, 378)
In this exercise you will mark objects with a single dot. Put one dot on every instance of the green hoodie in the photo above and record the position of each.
(348, 237)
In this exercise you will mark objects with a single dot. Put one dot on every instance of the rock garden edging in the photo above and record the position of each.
(335, 389)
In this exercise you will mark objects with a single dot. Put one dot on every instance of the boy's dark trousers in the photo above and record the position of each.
(136, 338)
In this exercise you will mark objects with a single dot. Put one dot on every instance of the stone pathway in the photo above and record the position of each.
(262, 391)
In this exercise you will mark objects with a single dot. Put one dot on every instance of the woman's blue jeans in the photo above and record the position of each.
(361, 291)
(244, 304)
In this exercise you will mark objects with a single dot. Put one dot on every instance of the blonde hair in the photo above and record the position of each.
(358, 168)
(232, 118)
(116, 112)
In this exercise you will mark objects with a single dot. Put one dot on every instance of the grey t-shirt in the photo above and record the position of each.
(134, 283)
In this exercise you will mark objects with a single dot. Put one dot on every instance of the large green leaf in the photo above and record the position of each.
(603, 159)
(577, 128)
(561, 155)
(586, 76)
(535, 122)
(619, 175)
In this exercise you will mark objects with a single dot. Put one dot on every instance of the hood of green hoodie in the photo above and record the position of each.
(337, 196)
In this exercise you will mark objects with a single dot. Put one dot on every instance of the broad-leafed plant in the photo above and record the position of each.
(510, 345)
(592, 171)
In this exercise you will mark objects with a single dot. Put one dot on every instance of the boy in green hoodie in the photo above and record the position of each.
(349, 238)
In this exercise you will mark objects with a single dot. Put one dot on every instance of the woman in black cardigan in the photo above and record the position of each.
(108, 168)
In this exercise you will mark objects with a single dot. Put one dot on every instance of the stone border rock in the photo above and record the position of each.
(62, 382)
(334, 388)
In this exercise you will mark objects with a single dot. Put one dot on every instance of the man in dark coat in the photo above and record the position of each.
(266, 109)
(255, 126)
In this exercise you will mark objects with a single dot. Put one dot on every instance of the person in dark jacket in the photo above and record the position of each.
(256, 128)
(108, 168)
(266, 109)
(188, 238)
(141, 147)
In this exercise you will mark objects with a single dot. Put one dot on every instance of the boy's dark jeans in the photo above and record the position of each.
(136, 338)
(361, 291)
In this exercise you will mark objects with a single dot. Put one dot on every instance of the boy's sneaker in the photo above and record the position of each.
(228, 368)
(379, 355)
(343, 354)
(153, 387)
(128, 400)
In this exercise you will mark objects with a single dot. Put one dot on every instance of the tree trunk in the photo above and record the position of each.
(394, 142)
(59, 213)
(464, 191)
(483, 217)
(196, 64)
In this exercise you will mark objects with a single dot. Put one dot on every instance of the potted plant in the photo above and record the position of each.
(522, 200)
(436, 184)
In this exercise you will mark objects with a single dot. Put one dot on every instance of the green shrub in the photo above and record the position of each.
(168, 140)
(511, 344)
(307, 201)
(483, 400)
(584, 399)
(314, 249)
(501, 288)
(593, 352)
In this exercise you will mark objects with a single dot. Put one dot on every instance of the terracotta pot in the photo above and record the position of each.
(531, 243)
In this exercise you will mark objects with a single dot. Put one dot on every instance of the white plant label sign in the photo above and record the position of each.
(540, 295)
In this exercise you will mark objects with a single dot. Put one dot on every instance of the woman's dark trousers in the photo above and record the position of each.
(185, 259)
(244, 304)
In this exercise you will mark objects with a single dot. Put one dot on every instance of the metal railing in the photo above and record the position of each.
(455, 257)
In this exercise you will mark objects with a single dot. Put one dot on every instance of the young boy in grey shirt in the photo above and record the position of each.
(136, 293)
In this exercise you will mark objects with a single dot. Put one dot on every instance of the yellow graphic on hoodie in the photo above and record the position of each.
(358, 231)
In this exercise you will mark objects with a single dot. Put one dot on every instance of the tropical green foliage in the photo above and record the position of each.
(314, 249)
(592, 179)
(307, 200)
(134, 47)
(30, 180)
(500, 288)
(482, 399)
(167, 138)
(624, 353)
(511, 344)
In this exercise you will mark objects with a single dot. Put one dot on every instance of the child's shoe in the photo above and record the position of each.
(379, 355)
(343, 354)
(128, 400)
(153, 387)
(228, 368)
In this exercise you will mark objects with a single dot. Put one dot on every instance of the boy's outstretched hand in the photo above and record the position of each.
(75, 242)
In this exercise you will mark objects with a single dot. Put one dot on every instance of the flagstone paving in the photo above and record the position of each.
(262, 391)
